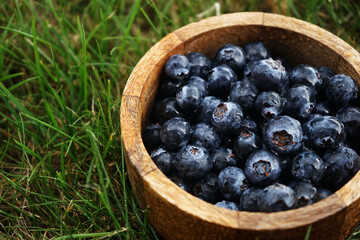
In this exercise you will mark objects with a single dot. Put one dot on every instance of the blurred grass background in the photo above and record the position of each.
(63, 66)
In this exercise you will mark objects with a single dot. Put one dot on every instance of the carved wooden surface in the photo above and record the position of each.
(178, 215)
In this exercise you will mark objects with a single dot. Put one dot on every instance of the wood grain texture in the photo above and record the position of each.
(178, 215)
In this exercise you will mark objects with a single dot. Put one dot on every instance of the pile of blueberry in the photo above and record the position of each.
(246, 131)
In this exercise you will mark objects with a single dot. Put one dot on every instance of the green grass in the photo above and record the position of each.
(63, 66)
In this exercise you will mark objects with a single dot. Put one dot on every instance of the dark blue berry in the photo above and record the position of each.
(299, 102)
(177, 67)
(200, 65)
(307, 166)
(220, 80)
(277, 197)
(306, 75)
(151, 136)
(341, 91)
(232, 183)
(284, 63)
(181, 182)
(249, 200)
(341, 164)
(244, 93)
(166, 109)
(246, 143)
(175, 133)
(249, 124)
(200, 83)
(228, 205)
(233, 56)
(227, 117)
(350, 117)
(325, 131)
(306, 193)
(325, 74)
(223, 158)
(323, 193)
(188, 97)
(262, 168)
(283, 135)
(193, 162)
(204, 136)
(269, 104)
(208, 188)
(163, 159)
(256, 51)
(206, 109)
(269, 75)
(169, 87)
(248, 70)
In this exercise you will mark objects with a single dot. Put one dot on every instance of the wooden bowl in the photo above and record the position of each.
(176, 214)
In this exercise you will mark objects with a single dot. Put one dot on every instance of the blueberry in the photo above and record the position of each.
(307, 166)
(325, 74)
(246, 143)
(350, 117)
(227, 117)
(233, 56)
(166, 109)
(151, 136)
(175, 133)
(248, 70)
(325, 131)
(262, 168)
(341, 164)
(204, 136)
(323, 193)
(306, 193)
(200, 83)
(188, 97)
(177, 67)
(169, 87)
(283, 135)
(256, 51)
(220, 79)
(206, 109)
(284, 63)
(163, 159)
(269, 104)
(200, 65)
(223, 158)
(193, 162)
(228, 205)
(341, 91)
(181, 182)
(277, 197)
(299, 102)
(232, 183)
(306, 75)
(269, 75)
(208, 188)
(249, 199)
(249, 124)
(244, 93)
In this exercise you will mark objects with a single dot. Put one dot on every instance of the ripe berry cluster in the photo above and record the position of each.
(246, 131)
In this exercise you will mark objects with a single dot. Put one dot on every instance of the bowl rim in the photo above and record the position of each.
(153, 178)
